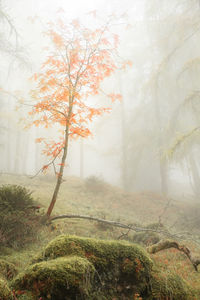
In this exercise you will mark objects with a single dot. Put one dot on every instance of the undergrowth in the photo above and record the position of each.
(19, 222)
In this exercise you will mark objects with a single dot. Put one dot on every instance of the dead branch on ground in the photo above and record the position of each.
(195, 261)
(129, 227)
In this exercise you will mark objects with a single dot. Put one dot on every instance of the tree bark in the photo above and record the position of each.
(62, 165)
(60, 174)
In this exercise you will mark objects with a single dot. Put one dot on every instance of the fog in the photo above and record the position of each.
(150, 139)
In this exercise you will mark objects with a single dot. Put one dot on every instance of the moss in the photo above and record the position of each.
(5, 292)
(105, 252)
(119, 264)
(170, 286)
(72, 267)
(26, 295)
(7, 269)
(58, 278)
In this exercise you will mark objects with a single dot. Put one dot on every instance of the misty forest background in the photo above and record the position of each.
(138, 174)
(132, 146)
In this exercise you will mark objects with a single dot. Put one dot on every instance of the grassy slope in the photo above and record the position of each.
(102, 200)
(108, 202)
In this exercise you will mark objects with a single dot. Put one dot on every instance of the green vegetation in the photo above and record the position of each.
(58, 278)
(96, 185)
(18, 221)
(86, 268)
(111, 267)
(14, 198)
(55, 265)
(170, 287)
(7, 269)
(5, 292)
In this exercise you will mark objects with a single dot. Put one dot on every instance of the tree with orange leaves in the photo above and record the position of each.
(81, 59)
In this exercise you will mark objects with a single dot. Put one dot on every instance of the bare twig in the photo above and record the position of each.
(123, 234)
(47, 165)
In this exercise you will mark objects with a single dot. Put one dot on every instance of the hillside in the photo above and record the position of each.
(93, 197)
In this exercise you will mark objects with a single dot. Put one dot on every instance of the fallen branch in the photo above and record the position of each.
(118, 224)
(158, 247)
(173, 244)
(112, 223)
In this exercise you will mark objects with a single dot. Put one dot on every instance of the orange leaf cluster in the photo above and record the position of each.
(52, 148)
(81, 59)
(115, 97)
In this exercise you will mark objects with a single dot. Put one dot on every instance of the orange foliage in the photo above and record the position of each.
(39, 140)
(81, 59)
(114, 97)
(44, 168)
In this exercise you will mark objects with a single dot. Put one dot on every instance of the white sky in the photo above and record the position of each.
(73, 8)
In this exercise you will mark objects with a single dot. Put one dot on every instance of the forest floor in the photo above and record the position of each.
(93, 197)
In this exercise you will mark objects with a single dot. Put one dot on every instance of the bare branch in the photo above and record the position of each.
(47, 165)
(195, 261)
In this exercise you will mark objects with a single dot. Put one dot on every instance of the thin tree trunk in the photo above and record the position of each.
(162, 161)
(195, 175)
(8, 147)
(81, 158)
(124, 165)
(60, 174)
(37, 152)
(17, 163)
(124, 148)
(24, 153)
(62, 165)
(164, 176)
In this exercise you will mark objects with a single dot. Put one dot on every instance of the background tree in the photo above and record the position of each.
(168, 98)
(12, 58)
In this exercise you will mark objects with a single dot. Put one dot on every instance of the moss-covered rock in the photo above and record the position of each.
(7, 269)
(5, 292)
(170, 287)
(120, 267)
(120, 263)
(61, 278)
(72, 267)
